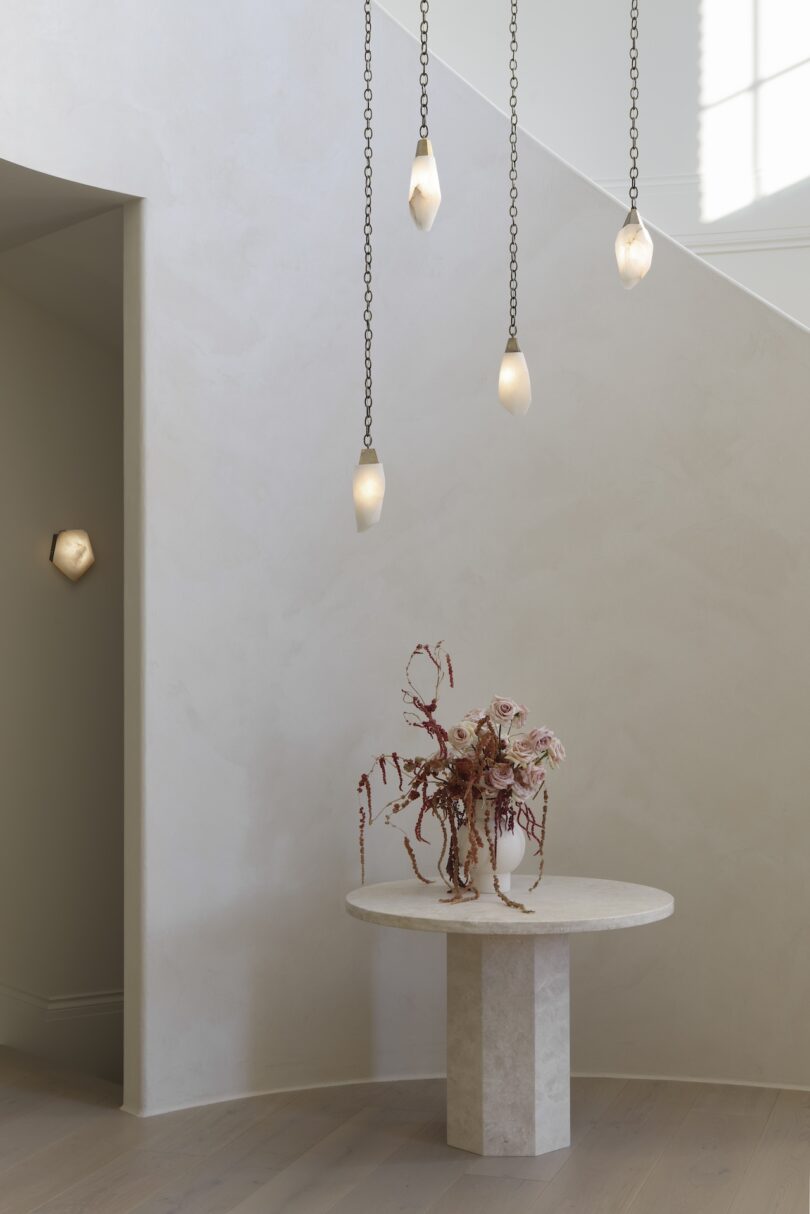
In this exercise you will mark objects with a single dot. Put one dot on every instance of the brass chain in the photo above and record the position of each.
(633, 102)
(368, 295)
(423, 75)
(513, 157)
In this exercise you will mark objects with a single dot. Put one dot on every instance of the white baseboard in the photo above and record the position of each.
(242, 1094)
(82, 1031)
(59, 1007)
(726, 1083)
(343, 1083)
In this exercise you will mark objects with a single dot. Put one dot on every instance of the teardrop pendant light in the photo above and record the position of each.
(424, 193)
(514, 384)
(634, 246)
(368, 484)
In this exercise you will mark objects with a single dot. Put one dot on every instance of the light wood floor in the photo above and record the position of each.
(640, 1147)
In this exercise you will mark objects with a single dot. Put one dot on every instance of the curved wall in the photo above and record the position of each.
(721, 169)
(631, 560)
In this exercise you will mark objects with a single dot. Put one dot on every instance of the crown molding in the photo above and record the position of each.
(754, 240)
(713, 240)
(619, 184)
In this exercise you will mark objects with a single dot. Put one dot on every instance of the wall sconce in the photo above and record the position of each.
(72, 553)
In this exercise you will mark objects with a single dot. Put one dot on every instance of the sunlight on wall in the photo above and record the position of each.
(755, 89)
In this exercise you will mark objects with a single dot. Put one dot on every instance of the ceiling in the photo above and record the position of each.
(61, 248)
(76, 273)
(33, 204)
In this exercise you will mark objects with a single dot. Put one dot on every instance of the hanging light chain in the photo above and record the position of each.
(633, 102)
(423, 75)
(368, 295)
(513, 156)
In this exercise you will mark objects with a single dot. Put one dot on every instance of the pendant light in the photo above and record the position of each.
(368, 484)
(634, 246)
(514, 385)
(424, 194)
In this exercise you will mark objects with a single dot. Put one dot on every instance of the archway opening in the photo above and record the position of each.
(62, 695)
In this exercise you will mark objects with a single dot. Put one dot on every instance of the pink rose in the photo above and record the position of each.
(520, 716)
(503, 711)
(475, 714)
(462, 736)
(529, 780)
(500, 776)
(556, 751)
(540, 738)
(521, 749)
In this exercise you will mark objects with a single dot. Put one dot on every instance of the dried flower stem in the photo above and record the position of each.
(362, 846)
(412, 857)
(541, 848)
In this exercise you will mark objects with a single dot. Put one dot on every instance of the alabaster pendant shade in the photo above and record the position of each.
(514, 384)
(368, 489)
(634, 250)
(424, 195)
(72, 553)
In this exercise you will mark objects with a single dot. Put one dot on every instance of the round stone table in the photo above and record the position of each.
(508, 1062)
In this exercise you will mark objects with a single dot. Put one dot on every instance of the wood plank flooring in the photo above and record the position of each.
(639, 1147)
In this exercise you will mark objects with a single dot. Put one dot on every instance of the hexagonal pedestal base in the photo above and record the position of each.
(508, 1056)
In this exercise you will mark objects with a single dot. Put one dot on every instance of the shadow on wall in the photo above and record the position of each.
(61, 699)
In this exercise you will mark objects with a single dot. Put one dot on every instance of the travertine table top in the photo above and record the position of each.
(560, 905)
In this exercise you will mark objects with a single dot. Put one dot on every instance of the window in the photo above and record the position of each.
(755, 101)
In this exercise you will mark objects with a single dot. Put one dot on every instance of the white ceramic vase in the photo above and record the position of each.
(510, 846)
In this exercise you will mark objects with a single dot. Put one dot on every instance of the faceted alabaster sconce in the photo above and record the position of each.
(72, 553)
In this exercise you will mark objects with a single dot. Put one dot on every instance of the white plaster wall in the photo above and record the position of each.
(61, 694)
(573, 71)
(630, 561)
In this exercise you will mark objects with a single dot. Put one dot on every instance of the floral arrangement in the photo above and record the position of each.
(483, 778)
